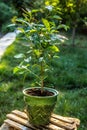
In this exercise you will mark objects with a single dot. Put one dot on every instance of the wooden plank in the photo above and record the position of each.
(62, 124)
(61, 118)
(50, 127)
(54, 127)
(16, 125)
(77, 121)
(20, 120)
(20, 114)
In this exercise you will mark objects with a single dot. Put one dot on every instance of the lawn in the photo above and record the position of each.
(69, 78)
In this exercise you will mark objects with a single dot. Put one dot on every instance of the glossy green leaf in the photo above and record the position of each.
(33, 31)
(21, 30)
(37, 52)
(63, 26)
(54, 48)
(21, 55)
(40, 59)
(29, 51)
(12, 25)
(28, 59)
(49, 7)
(46, 23)
(16, 70)
(35, 11)
(57, 17)
(21, 21)
(55, 56)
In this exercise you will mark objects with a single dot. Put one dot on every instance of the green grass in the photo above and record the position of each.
(73, 103)
(69, 77)
(70, 70)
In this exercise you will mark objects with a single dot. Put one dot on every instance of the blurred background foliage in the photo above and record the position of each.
(69, 12)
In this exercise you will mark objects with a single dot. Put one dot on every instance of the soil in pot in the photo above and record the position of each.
(37, 92)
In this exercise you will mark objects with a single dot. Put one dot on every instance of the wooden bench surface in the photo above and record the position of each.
(18, 120)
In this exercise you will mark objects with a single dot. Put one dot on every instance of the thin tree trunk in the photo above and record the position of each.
(73, 36)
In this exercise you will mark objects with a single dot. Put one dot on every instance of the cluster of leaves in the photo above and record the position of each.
(42, 42)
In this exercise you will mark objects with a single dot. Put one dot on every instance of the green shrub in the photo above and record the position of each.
(6, 13)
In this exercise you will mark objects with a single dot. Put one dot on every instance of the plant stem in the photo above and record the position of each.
(42, 77)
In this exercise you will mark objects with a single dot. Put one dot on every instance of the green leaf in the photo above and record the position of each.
(57, 17)
(19, 70)
(35, 10)
(12, 25)
(21, 30)
(29, 51)
(16, 70)
(37, 52)
(54, 48)
(63, 26)
(41, 59)
(21, 55)
(49, 7)
(21, 21)
(55, 56)
(28, 59)
(46, 23)
(33, 31)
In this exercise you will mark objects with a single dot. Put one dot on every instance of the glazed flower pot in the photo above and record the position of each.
(39, 108)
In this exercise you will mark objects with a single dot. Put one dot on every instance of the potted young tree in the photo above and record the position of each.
(42, 43)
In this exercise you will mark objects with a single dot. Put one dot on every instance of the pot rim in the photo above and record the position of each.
(49, 89)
